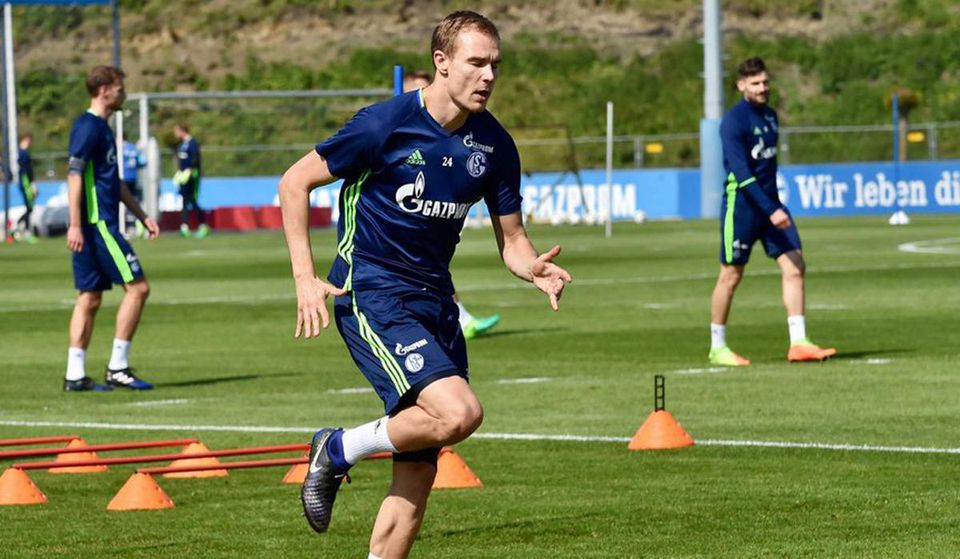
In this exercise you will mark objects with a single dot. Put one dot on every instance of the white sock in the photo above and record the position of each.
(718, 335)
(798, 328)
(367, 439)
(75, 361)
(372, 556)
(465, 316)
(118, 359)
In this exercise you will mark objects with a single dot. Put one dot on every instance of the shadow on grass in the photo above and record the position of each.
(219, 380)
(848, 355)
(519, 332)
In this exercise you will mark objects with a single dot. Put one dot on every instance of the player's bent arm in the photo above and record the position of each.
(131, 202)
(295, 186)
(522, 259)
(74, 194)
(516, 250)
(302, 177)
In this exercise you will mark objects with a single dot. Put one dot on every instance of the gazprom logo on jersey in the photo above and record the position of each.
(470, 143)
(409, 198)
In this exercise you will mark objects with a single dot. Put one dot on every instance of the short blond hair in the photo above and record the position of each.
(445, 34)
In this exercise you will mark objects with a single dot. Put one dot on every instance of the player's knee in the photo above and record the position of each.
(730, 276)
(91, 300)
(139, 289)
(460, 420)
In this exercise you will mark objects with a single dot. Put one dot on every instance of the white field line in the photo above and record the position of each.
(932, 246)
(150, 403)
(363, 390)
(494, 286)
(530, 380)
(486, 436)
(707, 371)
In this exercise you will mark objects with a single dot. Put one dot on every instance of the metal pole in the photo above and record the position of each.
(896, 127)
(711, 153)
(609, 228)
(397, 79)
(4, 149)
(712, 61)
(13, 145)
(932, 142)
(115, 4)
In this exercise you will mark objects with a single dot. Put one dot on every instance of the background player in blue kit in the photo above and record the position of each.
(101, 256)
(28, 188)
(188, 179)
(751, 211)
(412, 166)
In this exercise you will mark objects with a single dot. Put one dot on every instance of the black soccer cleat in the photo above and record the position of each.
(84, 384)
(124, 378)
(321, 484)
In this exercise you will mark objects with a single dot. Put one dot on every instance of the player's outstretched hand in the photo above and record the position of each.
(153, 230)
(75, 238)
(312, 312)
(550, 278)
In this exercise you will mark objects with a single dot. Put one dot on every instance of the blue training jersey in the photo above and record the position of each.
(25, 163)
(132, 161)
(408, 185)
(749, 136)
(188, 155)
(93, 154)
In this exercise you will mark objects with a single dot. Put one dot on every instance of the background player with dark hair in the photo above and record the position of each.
(28, 189)
(751, 211)
(101, 256)
(410, 180)
(188, 179)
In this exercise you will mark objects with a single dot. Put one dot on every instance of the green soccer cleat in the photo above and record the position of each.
(202, 231)
(184, 230)
(480, 326)
(726, 357)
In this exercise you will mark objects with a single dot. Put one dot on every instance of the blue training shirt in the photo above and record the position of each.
(188, 155)
(408, 185)
(749, 136)
(25, 163)
(93, 155)
(132, 161)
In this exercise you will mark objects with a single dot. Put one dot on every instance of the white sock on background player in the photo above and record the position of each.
(798, 328)
(465, 316)
(119, 358)
(75, 363)
(366, 439)
(718, 335)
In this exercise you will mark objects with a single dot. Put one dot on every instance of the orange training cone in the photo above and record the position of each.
(76, 457)
(660, 431)
(16, 488)
(453, 472)
(140, 492)
(296, 474)
(196, 448)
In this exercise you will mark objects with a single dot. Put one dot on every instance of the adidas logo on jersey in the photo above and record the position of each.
(416, 159)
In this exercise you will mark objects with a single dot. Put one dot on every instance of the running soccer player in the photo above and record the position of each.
(751, 211)
(471, 325)
(188, 179)
(412, 166)
(28, 188)
(101, 256)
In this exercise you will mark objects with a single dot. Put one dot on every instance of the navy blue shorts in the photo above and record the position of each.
(741, 226)
(107, 258)
(402, 339)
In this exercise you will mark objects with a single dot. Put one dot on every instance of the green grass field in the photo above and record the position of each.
(217, 340)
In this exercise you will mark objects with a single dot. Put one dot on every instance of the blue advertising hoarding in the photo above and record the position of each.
(808, 190)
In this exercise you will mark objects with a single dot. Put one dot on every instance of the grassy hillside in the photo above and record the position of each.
(833, 62)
